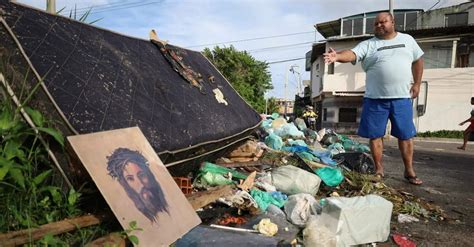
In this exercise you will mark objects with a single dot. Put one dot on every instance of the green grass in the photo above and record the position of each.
(442, 134)
(32, 191)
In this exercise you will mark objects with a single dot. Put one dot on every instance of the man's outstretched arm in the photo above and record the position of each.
(344, 56)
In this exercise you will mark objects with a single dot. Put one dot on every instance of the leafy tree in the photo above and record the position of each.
(247, 75)
(272, 105)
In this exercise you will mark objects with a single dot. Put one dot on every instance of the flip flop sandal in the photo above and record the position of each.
(413, 180)
(379, 176)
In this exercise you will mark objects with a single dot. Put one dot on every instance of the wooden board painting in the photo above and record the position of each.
(136, 184)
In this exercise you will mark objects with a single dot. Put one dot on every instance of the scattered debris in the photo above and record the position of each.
(402, 241)
(234, 228)
(266, 227)
(203, 198)
(229, 219)
(433, 191)
(295, 167)
(406, 218)
(248, 183)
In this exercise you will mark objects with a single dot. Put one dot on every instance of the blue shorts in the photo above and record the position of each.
(377, 112)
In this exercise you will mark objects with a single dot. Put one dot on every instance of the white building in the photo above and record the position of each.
(446, 35)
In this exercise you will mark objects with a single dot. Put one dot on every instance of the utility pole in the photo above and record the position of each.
(51, 6)
(266, 106)
(390, 6)
(290, 68)
(286, 84)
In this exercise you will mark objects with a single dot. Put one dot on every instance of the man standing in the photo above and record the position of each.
(390, 59)
(309, 117)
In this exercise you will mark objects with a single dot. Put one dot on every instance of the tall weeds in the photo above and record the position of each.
(30, 192)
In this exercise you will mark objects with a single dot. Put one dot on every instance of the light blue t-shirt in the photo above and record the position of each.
(387, 64)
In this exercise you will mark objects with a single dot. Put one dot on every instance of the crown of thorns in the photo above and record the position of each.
(120, 157)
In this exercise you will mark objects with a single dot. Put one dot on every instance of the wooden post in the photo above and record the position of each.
(55, 228)
(51, 6)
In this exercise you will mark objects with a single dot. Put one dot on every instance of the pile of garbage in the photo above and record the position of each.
(303, 186)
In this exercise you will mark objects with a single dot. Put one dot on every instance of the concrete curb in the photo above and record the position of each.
(417, 139)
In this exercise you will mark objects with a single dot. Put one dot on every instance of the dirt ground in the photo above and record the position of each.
(448, 177)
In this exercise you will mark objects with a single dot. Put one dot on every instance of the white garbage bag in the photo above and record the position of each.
(357, 220)
(316, 234)
(293, 180)
(300, 207)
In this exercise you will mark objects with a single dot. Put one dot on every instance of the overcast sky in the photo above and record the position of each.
(194, 23)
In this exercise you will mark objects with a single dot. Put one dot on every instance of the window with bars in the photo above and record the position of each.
(347, 115)
(355, 26)
(456, 19)
(410, 20)
(331, 69)
(369, 25)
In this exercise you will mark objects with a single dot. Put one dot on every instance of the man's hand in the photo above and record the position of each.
(417, 72)
(330, 57)
(415, 90)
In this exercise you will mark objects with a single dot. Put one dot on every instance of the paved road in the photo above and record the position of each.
(448, 175)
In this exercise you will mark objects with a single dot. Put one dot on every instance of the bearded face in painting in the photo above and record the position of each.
(131, 170)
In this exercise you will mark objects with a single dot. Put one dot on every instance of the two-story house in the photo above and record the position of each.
(446, 35)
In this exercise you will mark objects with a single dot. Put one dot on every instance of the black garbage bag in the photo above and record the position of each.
(329, 138)
(309, 133)
(356, 161)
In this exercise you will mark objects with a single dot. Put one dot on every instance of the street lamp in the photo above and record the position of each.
(290, 68)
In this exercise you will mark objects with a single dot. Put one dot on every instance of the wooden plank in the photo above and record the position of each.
(55, 228)
(243, 159)
(249, 182)
(240, 164)
(203, 198)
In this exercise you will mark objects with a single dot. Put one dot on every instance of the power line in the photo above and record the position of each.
(287, 60)
(421, 14)
(124, 6)
(106, 7)
(434, 5)
(251, 39)
(280, 46)
(100, 6)
(281, 49)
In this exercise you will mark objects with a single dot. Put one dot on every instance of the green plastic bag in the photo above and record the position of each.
(213, 179)
(264, 199)
(330, 176)
(267, 124)
(308, 156)
(209, 167)
(274, 141)
(351, 145)
(297, 142)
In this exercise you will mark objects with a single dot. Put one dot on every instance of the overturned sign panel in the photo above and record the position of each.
(136, 184)
(96, 80)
